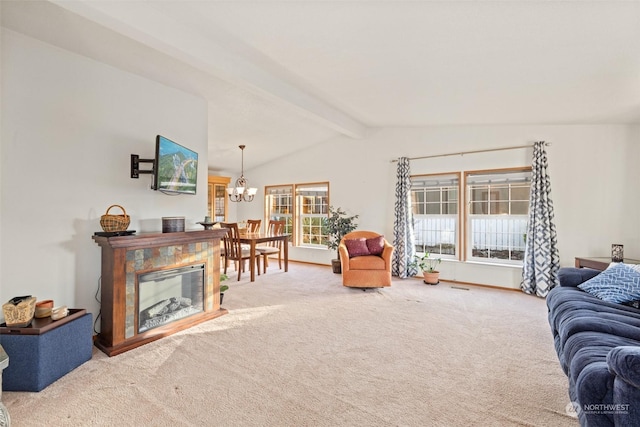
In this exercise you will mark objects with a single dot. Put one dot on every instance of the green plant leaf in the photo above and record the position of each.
(337, 225)
(223, 277)
(425, 262)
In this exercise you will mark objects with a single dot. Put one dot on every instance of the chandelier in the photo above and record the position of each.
(241, 192)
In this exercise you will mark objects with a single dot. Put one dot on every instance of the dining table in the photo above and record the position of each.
(252, 239)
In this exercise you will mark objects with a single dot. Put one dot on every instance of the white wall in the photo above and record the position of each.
(69, 125)
(593, 171)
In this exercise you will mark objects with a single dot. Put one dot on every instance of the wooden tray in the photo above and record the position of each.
(40, 326)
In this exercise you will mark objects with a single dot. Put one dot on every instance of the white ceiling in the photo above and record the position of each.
(283, 75)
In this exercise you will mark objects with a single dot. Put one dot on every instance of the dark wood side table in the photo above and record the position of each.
(600, 263)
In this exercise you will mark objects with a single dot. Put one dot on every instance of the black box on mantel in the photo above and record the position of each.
(172, 224)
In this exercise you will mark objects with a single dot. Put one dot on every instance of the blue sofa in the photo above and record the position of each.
(598, 345)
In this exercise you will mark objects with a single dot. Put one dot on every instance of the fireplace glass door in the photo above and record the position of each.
(168, 295)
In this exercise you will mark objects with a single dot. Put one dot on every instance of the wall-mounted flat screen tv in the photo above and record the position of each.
(176, 168)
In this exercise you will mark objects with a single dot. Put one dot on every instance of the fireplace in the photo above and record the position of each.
(165, 296)
(154, 285)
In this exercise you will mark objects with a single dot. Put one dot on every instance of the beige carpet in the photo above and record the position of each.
(299, 349)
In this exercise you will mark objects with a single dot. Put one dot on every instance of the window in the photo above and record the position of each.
(498, 206)
(303, 214)
(435, 207)
(312, 201)
(279, 205)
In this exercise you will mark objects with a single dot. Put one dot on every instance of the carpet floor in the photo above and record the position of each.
(299, 349)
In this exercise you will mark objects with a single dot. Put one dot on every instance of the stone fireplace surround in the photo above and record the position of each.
(124, 257)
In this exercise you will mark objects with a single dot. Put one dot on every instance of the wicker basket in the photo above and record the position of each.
(19, 315)
(111, 223)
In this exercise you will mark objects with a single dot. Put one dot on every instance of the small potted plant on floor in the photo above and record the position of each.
(428, 266)
(335, 227)
(223, 288)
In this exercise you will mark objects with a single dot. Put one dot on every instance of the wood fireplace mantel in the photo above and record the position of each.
(124, 257)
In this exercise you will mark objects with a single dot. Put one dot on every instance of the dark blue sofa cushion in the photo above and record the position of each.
(625, 362)
(569, 276)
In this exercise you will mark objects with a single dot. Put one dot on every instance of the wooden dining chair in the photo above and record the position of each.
(223, 258)
(253, 225)
(233, 250)
(272, 247)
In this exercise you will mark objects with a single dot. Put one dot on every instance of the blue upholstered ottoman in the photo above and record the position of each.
(40, 356)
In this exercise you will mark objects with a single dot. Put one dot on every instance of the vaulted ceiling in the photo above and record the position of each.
(280, 76)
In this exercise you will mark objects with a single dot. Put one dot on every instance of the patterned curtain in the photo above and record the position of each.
(541, 257)
(403, 238)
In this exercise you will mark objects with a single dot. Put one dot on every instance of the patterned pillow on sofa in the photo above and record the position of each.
(618, 284)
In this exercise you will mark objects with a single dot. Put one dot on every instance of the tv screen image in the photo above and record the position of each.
(176, 169)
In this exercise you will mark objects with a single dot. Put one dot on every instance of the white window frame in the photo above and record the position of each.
(309, 221)
(498, 229)
(276, 196)
(426, 230)
(305, 227)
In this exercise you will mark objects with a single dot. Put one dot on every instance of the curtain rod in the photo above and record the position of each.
(462, 153)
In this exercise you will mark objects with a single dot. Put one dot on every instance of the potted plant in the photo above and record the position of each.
(223, 288)
(335, 227)
(428, 266)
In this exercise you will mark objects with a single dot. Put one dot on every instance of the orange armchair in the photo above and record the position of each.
(365, 270)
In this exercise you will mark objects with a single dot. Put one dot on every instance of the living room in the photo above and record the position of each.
(73, 123)
(70, 122)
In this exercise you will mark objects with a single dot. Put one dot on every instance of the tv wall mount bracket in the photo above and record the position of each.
(135, 166)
